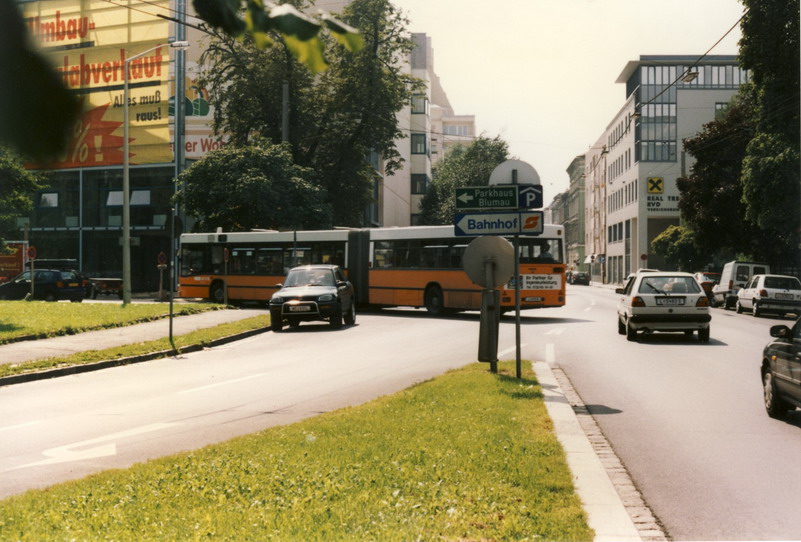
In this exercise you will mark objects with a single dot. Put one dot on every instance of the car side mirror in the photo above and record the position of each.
(620, 290)
(780, 332)
(279, 285)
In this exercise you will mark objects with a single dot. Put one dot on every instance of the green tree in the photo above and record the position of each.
(469, 165)
(337, 119)
(254, 187)
(712, 196)
(677, 246)
(17, 186)
(770, 176)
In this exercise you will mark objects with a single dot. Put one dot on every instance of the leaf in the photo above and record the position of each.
(291, 22)
(222, 14)
(308, 52)
(346, 35)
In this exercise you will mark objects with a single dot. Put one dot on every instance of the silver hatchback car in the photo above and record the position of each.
(663, 301)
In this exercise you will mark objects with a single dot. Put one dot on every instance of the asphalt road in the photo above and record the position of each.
(685, 418)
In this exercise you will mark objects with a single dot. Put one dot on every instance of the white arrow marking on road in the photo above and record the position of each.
(510, 350)
(555, 331)
(65, 454)
(18, 426)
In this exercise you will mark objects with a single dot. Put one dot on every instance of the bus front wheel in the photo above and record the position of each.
(433, 300)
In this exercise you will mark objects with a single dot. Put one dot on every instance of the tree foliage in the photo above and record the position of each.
(770, 175)
(677, 245)
(469, 165)
(17, 186)
(712, 196)
(336, 119)
(254, 187)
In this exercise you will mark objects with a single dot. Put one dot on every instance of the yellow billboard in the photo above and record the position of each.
(88, 42)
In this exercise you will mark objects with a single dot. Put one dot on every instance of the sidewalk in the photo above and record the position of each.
(66, 345)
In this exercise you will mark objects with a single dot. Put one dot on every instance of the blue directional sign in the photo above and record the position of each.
(499, 223)
(529, 196)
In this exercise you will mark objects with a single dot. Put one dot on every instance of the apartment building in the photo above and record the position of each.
(630, 171)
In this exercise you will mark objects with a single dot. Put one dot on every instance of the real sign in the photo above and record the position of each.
(508, 223)
(500, 196)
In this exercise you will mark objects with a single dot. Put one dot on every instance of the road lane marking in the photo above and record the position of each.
(223, 383)
(19, 426)
(555, 331)
(68, 453)
(511, 349)
(592, 306)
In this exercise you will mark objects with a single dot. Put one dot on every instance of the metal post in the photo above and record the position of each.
(516, 244)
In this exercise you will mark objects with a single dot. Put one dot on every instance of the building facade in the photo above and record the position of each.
(631, 170)
(574, 219)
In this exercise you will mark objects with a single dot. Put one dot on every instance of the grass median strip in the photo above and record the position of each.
(201, 336)
(468, 455)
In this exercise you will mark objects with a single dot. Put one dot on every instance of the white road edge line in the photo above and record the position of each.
(606, 514)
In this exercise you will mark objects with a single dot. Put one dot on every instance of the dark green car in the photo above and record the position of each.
(781, 370)
(313, 292)
(48, 285)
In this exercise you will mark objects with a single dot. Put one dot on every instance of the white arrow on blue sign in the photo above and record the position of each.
(503, 223)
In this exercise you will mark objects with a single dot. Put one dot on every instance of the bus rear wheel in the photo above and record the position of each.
(217, 293)
(433, 300)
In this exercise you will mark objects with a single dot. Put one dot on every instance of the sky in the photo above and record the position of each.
(541, 73)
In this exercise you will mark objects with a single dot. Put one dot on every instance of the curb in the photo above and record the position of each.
(98, 365)
(606, 513)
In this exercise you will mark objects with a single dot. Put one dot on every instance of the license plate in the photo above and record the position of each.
(299, 308)
(534, 299)
(784, 296)
(670, 301)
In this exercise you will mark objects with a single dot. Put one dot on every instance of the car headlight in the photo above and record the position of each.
(277, 300)
(326, 297)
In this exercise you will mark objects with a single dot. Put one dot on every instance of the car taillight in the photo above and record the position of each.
(637, 301)
(60, 284)
(763, 293)
(703, 301)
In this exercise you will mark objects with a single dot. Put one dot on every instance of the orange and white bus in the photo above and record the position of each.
(417, 266)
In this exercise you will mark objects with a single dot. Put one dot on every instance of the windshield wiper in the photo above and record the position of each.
(654, 288)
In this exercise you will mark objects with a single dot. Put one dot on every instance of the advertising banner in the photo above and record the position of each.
(88, 42)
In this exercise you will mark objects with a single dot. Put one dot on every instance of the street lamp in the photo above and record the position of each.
(126, 182)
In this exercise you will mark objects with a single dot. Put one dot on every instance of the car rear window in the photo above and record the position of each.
(666, 285)
(783, 283)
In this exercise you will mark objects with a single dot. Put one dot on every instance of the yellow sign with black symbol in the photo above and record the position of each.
(656, 185)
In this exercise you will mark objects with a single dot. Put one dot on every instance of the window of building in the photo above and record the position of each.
(419, 104)
(48, 200)
(419, 183)
(419, 144)
(456, 130)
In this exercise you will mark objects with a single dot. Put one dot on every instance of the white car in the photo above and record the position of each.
(780, 294)
(663, 301)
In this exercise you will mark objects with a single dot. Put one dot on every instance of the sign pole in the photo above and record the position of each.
(516, 244)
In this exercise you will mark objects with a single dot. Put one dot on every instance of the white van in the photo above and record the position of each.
(733, 277)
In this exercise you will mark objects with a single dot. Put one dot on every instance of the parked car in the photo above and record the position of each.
(663, 301)
(778, 294)
(580, 278)
(62, 264)
(313, 292)
(708, 281)
(781, 370)
(48, 284)
(733, 277)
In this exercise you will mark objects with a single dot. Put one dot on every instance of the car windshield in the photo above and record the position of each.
(782, 283)
(309, 277)
(668, 285)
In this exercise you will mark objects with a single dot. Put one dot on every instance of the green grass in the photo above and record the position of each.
(201, 337)
(41, 319)
(467, 456)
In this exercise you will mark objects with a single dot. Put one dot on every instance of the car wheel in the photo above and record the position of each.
(756, 311)
(77, 300)
(276, 322)
(350, 316)
(738, 307)
(703, 335)
(336, 318)
(631, 333)
(51, 297)
(774, 405)
(621, 327)
(688, 333)
(433, 300)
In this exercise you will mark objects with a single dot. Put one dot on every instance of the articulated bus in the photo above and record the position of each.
(417, 266)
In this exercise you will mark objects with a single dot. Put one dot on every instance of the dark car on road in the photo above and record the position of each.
(580, 278)
(313, 292)
(781, 370)
(49, 285)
